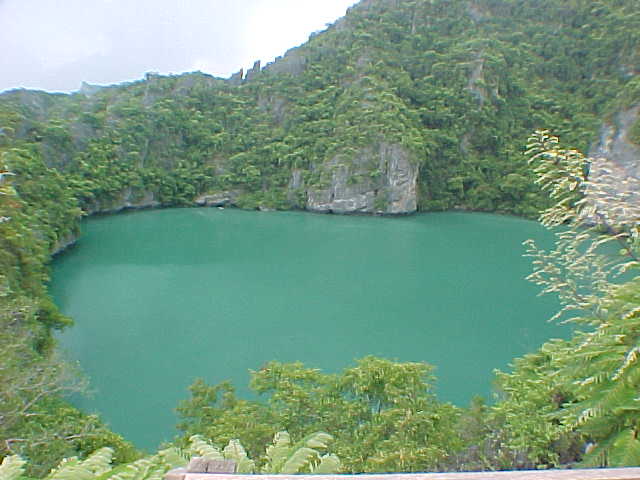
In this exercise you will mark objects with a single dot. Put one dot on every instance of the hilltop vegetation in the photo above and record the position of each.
(455, 85)
(401, 105)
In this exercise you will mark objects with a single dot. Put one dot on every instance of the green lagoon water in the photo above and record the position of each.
(163, 297)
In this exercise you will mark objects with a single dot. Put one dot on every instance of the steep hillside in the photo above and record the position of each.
(402, 105)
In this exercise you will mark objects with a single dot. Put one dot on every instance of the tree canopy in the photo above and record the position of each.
(457, 86)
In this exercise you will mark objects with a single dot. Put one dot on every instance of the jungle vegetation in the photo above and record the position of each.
(460, 85)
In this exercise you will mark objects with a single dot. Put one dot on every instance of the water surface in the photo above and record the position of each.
(163, 297)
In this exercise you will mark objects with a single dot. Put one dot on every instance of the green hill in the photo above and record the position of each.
(402, 105)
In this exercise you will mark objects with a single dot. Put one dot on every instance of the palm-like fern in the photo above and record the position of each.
(98, 467)
(12, 468)
(603, 366)
(592, 212)
(233, 451)
(236, 452)
(283, 457)
(93, 466)
(199, 446)
(144, 469)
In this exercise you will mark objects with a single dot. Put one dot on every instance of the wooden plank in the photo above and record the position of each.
(578, 474)
(207, 465)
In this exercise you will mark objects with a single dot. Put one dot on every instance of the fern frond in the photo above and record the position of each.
(630, 360)
(318, 440)
(625, 450)
(329, 464)
(587, 414)
(173, 457)
(98, 462)
(300, 459)
(12, 468)
(69, 469)
(150, 468)
(200, 447)
(277, 453)
(236, 452)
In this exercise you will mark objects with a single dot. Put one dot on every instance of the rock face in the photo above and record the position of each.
(614, 143)
(63, 243)
(613, 194)
(615, 169)
(477, 74)
(252, 72)
(89, 90)
(128, 199)
(378, 180)
(217, 199)
(292, 63)
(236, 78)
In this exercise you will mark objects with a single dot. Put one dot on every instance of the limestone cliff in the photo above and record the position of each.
(380, 179)
(127, 199)
(397, 98)
(615, 168)
(614, 142)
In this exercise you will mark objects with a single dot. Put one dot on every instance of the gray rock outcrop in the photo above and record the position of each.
(378, 180)
(615, 170)
(614, 143)
(293, 63)
(236, 78)
(479, 92)
(89, 90)
(296, 189)
(217, 199)
(252, 72)
(64, 242)
(128, 199)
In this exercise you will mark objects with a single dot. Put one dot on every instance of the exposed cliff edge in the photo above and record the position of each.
(65, 242)
(126, 200)
(615, 142)
(617, 158)
(378, 180)
(397, 107)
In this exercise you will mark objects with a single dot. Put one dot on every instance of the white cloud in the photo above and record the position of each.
(274, 26)
(55, 44)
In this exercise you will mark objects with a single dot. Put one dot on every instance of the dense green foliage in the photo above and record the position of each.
(457, 85)
(34, 421)
(281, 457)
(381, 414)
(583, 391)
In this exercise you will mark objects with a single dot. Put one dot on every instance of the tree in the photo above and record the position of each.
(34, 421)
(582, 391)
(381, 413)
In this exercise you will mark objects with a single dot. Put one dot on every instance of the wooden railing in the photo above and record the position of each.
(591, 474)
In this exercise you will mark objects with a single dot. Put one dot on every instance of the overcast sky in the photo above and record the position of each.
(54, 45)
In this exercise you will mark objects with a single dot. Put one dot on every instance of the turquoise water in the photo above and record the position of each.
(163, 297)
